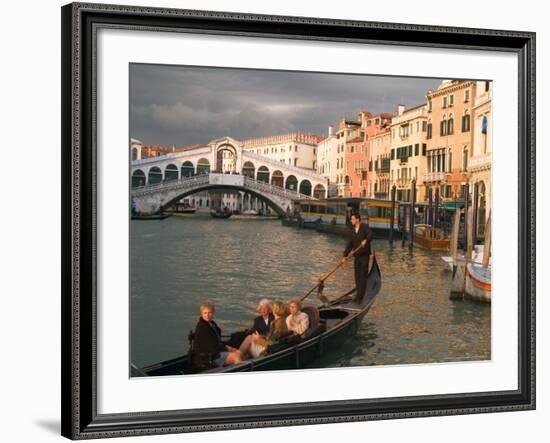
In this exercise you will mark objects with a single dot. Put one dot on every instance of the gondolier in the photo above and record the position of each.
(360, 234)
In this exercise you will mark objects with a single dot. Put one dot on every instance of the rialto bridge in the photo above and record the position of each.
(222, 164)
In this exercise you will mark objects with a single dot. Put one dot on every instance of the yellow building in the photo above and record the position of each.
(478, 164)
(408, 151)
(379, 165)
(449, 137)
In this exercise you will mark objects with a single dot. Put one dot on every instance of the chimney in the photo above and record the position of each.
(400, 109)
(330, 130)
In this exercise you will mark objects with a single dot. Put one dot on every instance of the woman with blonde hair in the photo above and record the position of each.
(255, 344)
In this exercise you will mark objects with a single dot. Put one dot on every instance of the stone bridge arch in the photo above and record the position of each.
(149, 199)
(276, 206)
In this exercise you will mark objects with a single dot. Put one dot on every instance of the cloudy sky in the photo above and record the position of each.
(181, 105)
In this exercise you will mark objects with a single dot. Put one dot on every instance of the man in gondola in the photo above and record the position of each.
(360, 235)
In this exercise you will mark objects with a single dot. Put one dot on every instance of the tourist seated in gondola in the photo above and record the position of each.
(297, 321)
(256, 344)
(262, 321)
(208, 347)
(261, 324)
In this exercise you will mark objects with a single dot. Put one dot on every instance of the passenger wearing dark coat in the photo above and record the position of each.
(260, 324)
(208, 339)
(207, 342)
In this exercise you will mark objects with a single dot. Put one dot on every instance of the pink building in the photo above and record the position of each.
(358, 153)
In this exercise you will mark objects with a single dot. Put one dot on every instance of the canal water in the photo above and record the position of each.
(179, 262)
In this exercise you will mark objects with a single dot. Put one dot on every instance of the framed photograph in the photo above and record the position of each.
(275, 221)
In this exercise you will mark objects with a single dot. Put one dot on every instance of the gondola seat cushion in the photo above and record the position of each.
(313, 314)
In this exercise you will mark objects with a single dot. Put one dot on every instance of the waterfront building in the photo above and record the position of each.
(296, 149)
(356, 181)
(449, 137)
(156, 151)
(358, 153)
(478, 163)
(408, 151)
(347, 130)
(327, 154)
(379, 183)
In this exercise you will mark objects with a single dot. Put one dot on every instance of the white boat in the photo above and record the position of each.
(478, 282)
(472, 274)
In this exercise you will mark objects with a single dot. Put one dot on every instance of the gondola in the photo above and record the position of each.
(220, 214)
(152, 216)
(335, 322)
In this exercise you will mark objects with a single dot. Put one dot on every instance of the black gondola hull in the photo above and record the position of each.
(305, 352)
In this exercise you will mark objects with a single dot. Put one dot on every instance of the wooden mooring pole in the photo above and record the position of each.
(392, 212)
(411, 215)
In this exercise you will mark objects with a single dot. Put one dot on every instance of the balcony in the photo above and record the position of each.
(480, 162)
(434, 177)
(383, 170)
(403, 160)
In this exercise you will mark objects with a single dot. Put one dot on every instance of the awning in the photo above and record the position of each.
(453, 205)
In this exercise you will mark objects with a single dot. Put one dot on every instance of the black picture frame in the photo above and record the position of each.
(79, 243)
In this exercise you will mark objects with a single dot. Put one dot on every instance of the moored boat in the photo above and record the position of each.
(220, 214)
(151, 216)
(478, 282)
(330, 325)
(183, 209)
(426, 236)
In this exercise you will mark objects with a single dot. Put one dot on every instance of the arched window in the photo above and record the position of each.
(249, 170)
(155, 175)
(138, 178)
(305, 187)
(443, 126)
(319, 191)
(450, 125)
(465, 158)
(263, 174)
(277, 179)
(203, 166)
(466, 122)
(171, 172)
(291, 183)
(187, 169)
(134, 154)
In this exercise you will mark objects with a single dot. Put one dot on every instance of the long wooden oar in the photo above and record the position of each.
(325, 276)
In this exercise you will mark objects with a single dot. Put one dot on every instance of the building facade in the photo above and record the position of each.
(449, 135)
(359, 153)
(478, 164)
(327, 153)
(408, 151)
(295, 149)
(348, 130)
(379, 183)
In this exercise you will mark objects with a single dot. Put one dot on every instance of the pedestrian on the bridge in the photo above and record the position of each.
(360, 235)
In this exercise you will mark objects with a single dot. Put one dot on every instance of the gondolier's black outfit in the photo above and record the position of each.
(362, 257)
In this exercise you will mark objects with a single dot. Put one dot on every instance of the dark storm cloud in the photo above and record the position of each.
(178, 105)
